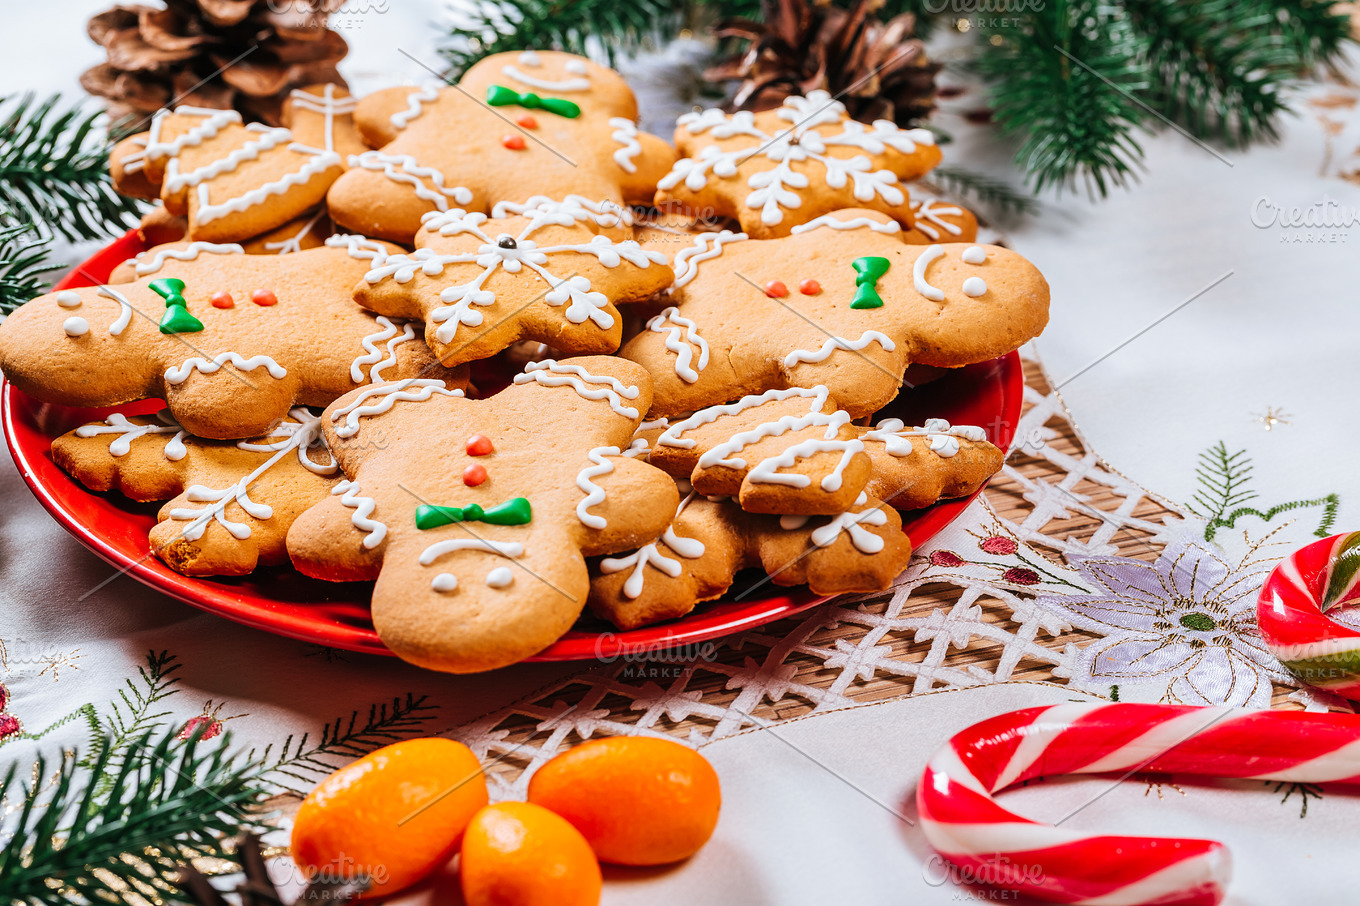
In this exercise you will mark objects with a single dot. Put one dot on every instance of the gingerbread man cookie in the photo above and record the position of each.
(230, 341)
(517, 124)
(843, 302)
(475, 515)
(232, 502)
(544, 272)
(773, 170)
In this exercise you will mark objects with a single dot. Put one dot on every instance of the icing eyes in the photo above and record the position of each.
(444, 582)
(529, 58)
(500, 577)
(974, 254)
(76, 327)
(68, 299)
(575, 67)
(972, 286)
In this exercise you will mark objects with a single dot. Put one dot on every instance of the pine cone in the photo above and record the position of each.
(212, 53)
(875, 68)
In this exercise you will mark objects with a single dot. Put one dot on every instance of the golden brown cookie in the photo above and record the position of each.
(940, 221)
(322, 116)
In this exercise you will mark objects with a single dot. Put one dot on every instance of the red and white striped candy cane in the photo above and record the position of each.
(963, 821)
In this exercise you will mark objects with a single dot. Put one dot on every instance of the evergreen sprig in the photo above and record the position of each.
(23, 264)
(168, 801)
(54, 171)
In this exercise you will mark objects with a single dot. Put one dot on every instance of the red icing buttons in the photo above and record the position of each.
(776, 289)
(264, 297)
(528, 122)
(479, 445)
(222, 300)
(809, 287)
(514, 142)
(474, 475)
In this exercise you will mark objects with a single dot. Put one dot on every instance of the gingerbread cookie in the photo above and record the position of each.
(710, 541)
(843, 302)
(517, 124)
(475, 515)
(231, 341)
(544, 272)
(232, 502)
(322, 116)
(773, 170)
(939, 221)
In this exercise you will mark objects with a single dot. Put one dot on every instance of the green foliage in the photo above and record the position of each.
(54, 171)
(1224, 490)
(23, 264)
(166, 801)
(984, 189)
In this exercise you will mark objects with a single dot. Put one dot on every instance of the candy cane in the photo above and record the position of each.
(1291, 614)
(963, 821)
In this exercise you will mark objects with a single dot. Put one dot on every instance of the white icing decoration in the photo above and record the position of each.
(974, 254)
(661, 422)
(359, 247)
(604, 213)
(293, 244)
(215, 120)
(415, 390)
(403, 168)
(444, 582)
(178, 374)
(128, 431)
(974, 287)
(648, 555)
(942, 438)
(676, 326)
(575, 67)
(918, 273)
(791, 523)
(854, 223)
(328, 105)
(374, 356)
(511, 71)
(936, 215)
(639, 447)
(530, 58)
(500, 577)
(134, 161)
(188, 253)
(68, 299)
(865, 541)
(551, 373)
(594, 493)
(818, 397)
(298, 436)
(706, 246)
(582, 303)
(76, 327)
(508, 549)
(625, 133)
(269, 137)
(766, 471)
(363, 511)
(773, 190)
(414, 106)
(320, 162)
(124, 306)
(834, 343)
(302, 421)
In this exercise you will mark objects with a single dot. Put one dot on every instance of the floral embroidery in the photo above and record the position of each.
(1019, 566)
(9, 724)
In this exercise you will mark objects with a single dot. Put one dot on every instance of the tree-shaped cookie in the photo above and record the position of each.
(844, 302)
(475, 515)
(230, 341)
(516, 124)
(322, 116)
(549, 273)
(232, 502)
(773, 170)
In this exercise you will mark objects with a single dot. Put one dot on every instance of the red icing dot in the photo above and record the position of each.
(222, 300)
(474, 475)
(776, 289)
(809, 287)
(513, 142)
(479, 445)
(528, 122)
(264, 297)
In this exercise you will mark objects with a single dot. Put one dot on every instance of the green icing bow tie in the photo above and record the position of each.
(868, 270)
(500, 96)
(177, 318)
(515, 511)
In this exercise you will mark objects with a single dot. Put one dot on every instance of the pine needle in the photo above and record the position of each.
(23, 265)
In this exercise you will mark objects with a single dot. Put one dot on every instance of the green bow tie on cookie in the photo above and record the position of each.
(500, 96)
(177, 318)
(515, 511)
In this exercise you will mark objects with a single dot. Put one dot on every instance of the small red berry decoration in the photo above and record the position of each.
(528, 122)
(9, 724)
(1000, 546)
(1019, 575)
(208, 720)
(776, 289)
(479, 445)
(222, 299)
(514, 142)
(474, 475)
(264, 297)
(809, 287)
(945, 558)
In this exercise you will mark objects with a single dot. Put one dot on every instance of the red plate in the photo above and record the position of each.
(282, 601)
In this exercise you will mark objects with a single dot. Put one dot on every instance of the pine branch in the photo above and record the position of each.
(54, 171)
(168, 801)
(984, 189)
(132, 716)
(23, 262)
(1329, 505)
(1223, 478)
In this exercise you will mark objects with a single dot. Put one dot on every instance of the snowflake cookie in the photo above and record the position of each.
(475, 516)
(230, 341)
(548, 271)
(844, 302)
(773, 170)
(516, 125)
(230, 504)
